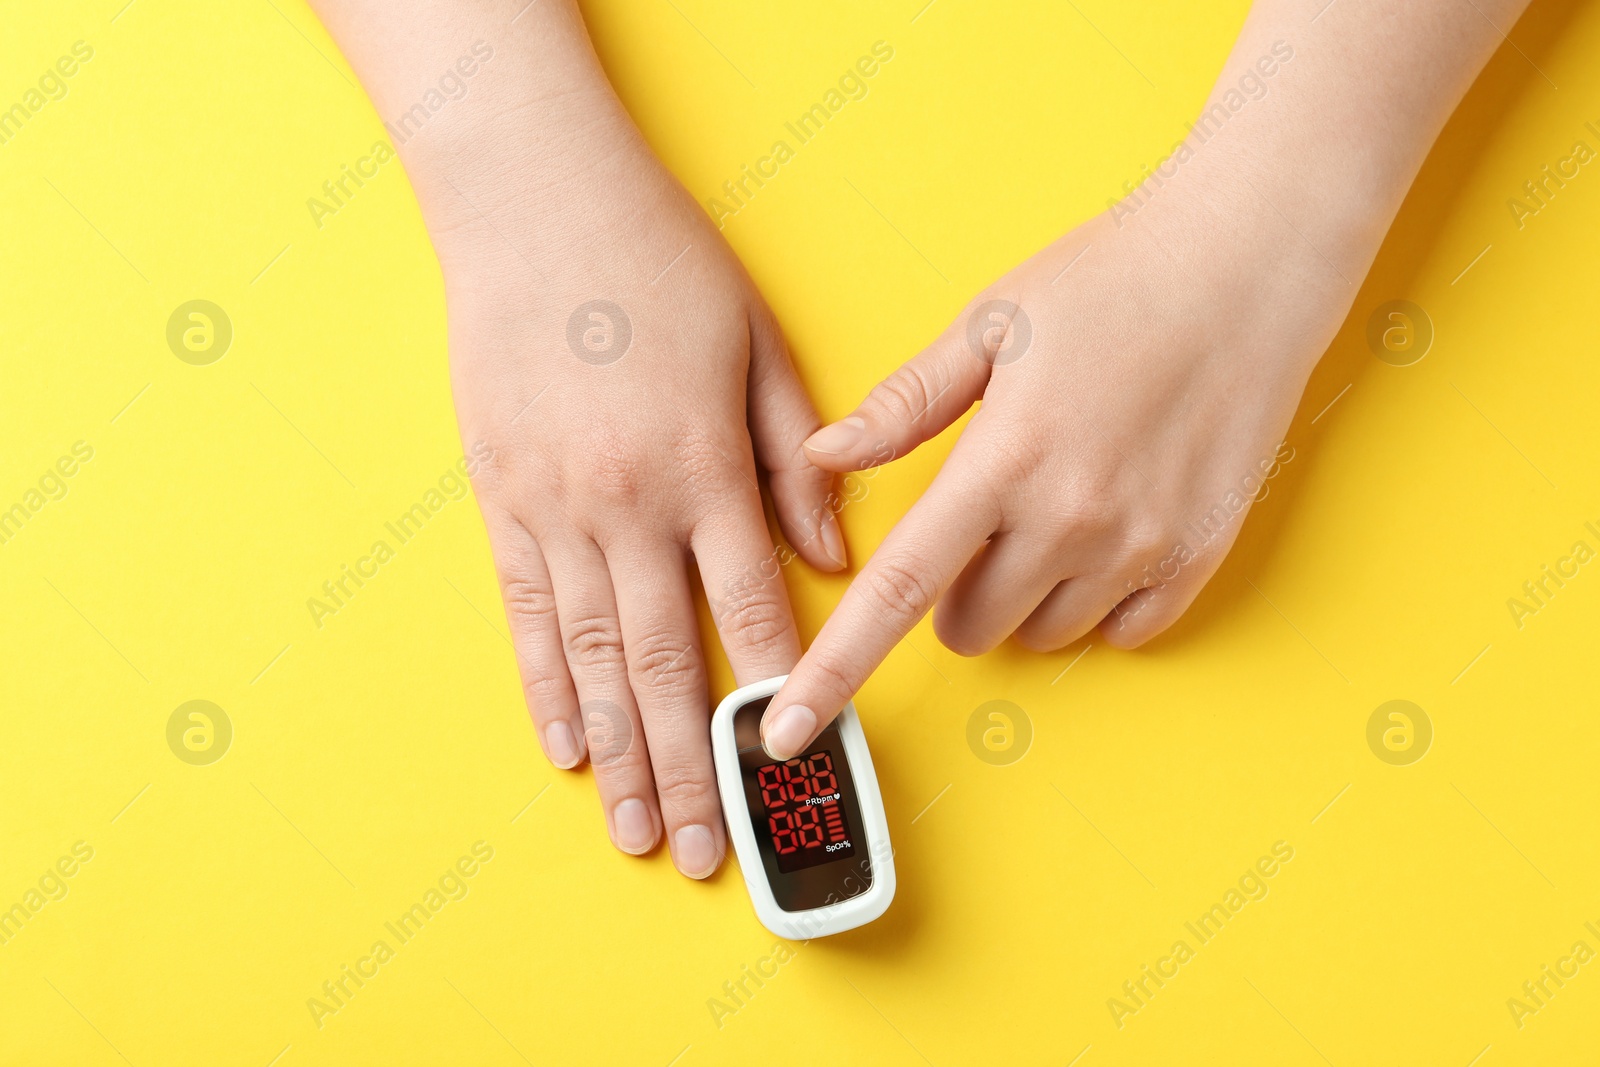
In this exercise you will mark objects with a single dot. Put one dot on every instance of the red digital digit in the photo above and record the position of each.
(823, 781)
(806, 821)
(797, 781)
(808, 827)
(784, 836)
(773, 793)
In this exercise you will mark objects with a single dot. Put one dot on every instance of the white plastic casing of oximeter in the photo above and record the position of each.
(873, 865)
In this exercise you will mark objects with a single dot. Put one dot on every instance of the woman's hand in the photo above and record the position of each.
(629, 394)
(628, 381)
(1137, 376)
(1132, 409)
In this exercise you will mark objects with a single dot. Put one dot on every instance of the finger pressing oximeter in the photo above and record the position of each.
(810, 832)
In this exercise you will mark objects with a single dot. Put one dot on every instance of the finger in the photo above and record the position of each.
(915, 564)
(781, 418)
(912, 405)
(667, 673)
(536, 638)
(1072, 609)
(744, 585)
(591, 639)
(1145, 613)
(1002, 585)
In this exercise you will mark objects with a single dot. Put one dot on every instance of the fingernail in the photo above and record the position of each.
(695, 851)
(837, 438)
(788, 733)
(636, 832)
(832, 540)
(558, 742)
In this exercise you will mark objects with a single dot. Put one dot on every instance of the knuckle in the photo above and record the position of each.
(832, 679)
(1020, 450)
(529, 603)
(611, 466)
(543, 689)
(680, 787)
(593, 642)
(901, 591)
(662, 662)
(1146, 541)
(755, 618)
(903, 397)
(1012, 466)
(624, 763)
(701, 462)
(490, 475)
(1087, 516)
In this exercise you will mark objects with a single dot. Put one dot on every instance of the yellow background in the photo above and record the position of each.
(372, 753)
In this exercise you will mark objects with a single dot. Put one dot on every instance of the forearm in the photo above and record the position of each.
(533, 130)
(1321, 122)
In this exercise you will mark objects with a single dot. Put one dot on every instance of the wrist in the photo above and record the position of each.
(1246, 194)
(500, 127)
(1227, 250)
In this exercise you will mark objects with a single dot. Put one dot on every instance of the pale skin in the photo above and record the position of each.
(609, 480)
(1157, 358)
(1164, 366)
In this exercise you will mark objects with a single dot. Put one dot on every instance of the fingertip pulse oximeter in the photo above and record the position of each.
(810, 832)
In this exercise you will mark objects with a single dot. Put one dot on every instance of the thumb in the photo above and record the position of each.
(929, 392)
(781, 417)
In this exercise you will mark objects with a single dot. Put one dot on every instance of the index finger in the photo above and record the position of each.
(913, 567)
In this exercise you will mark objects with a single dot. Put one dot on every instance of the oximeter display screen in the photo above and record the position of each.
(805, 814)
(801, 809)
